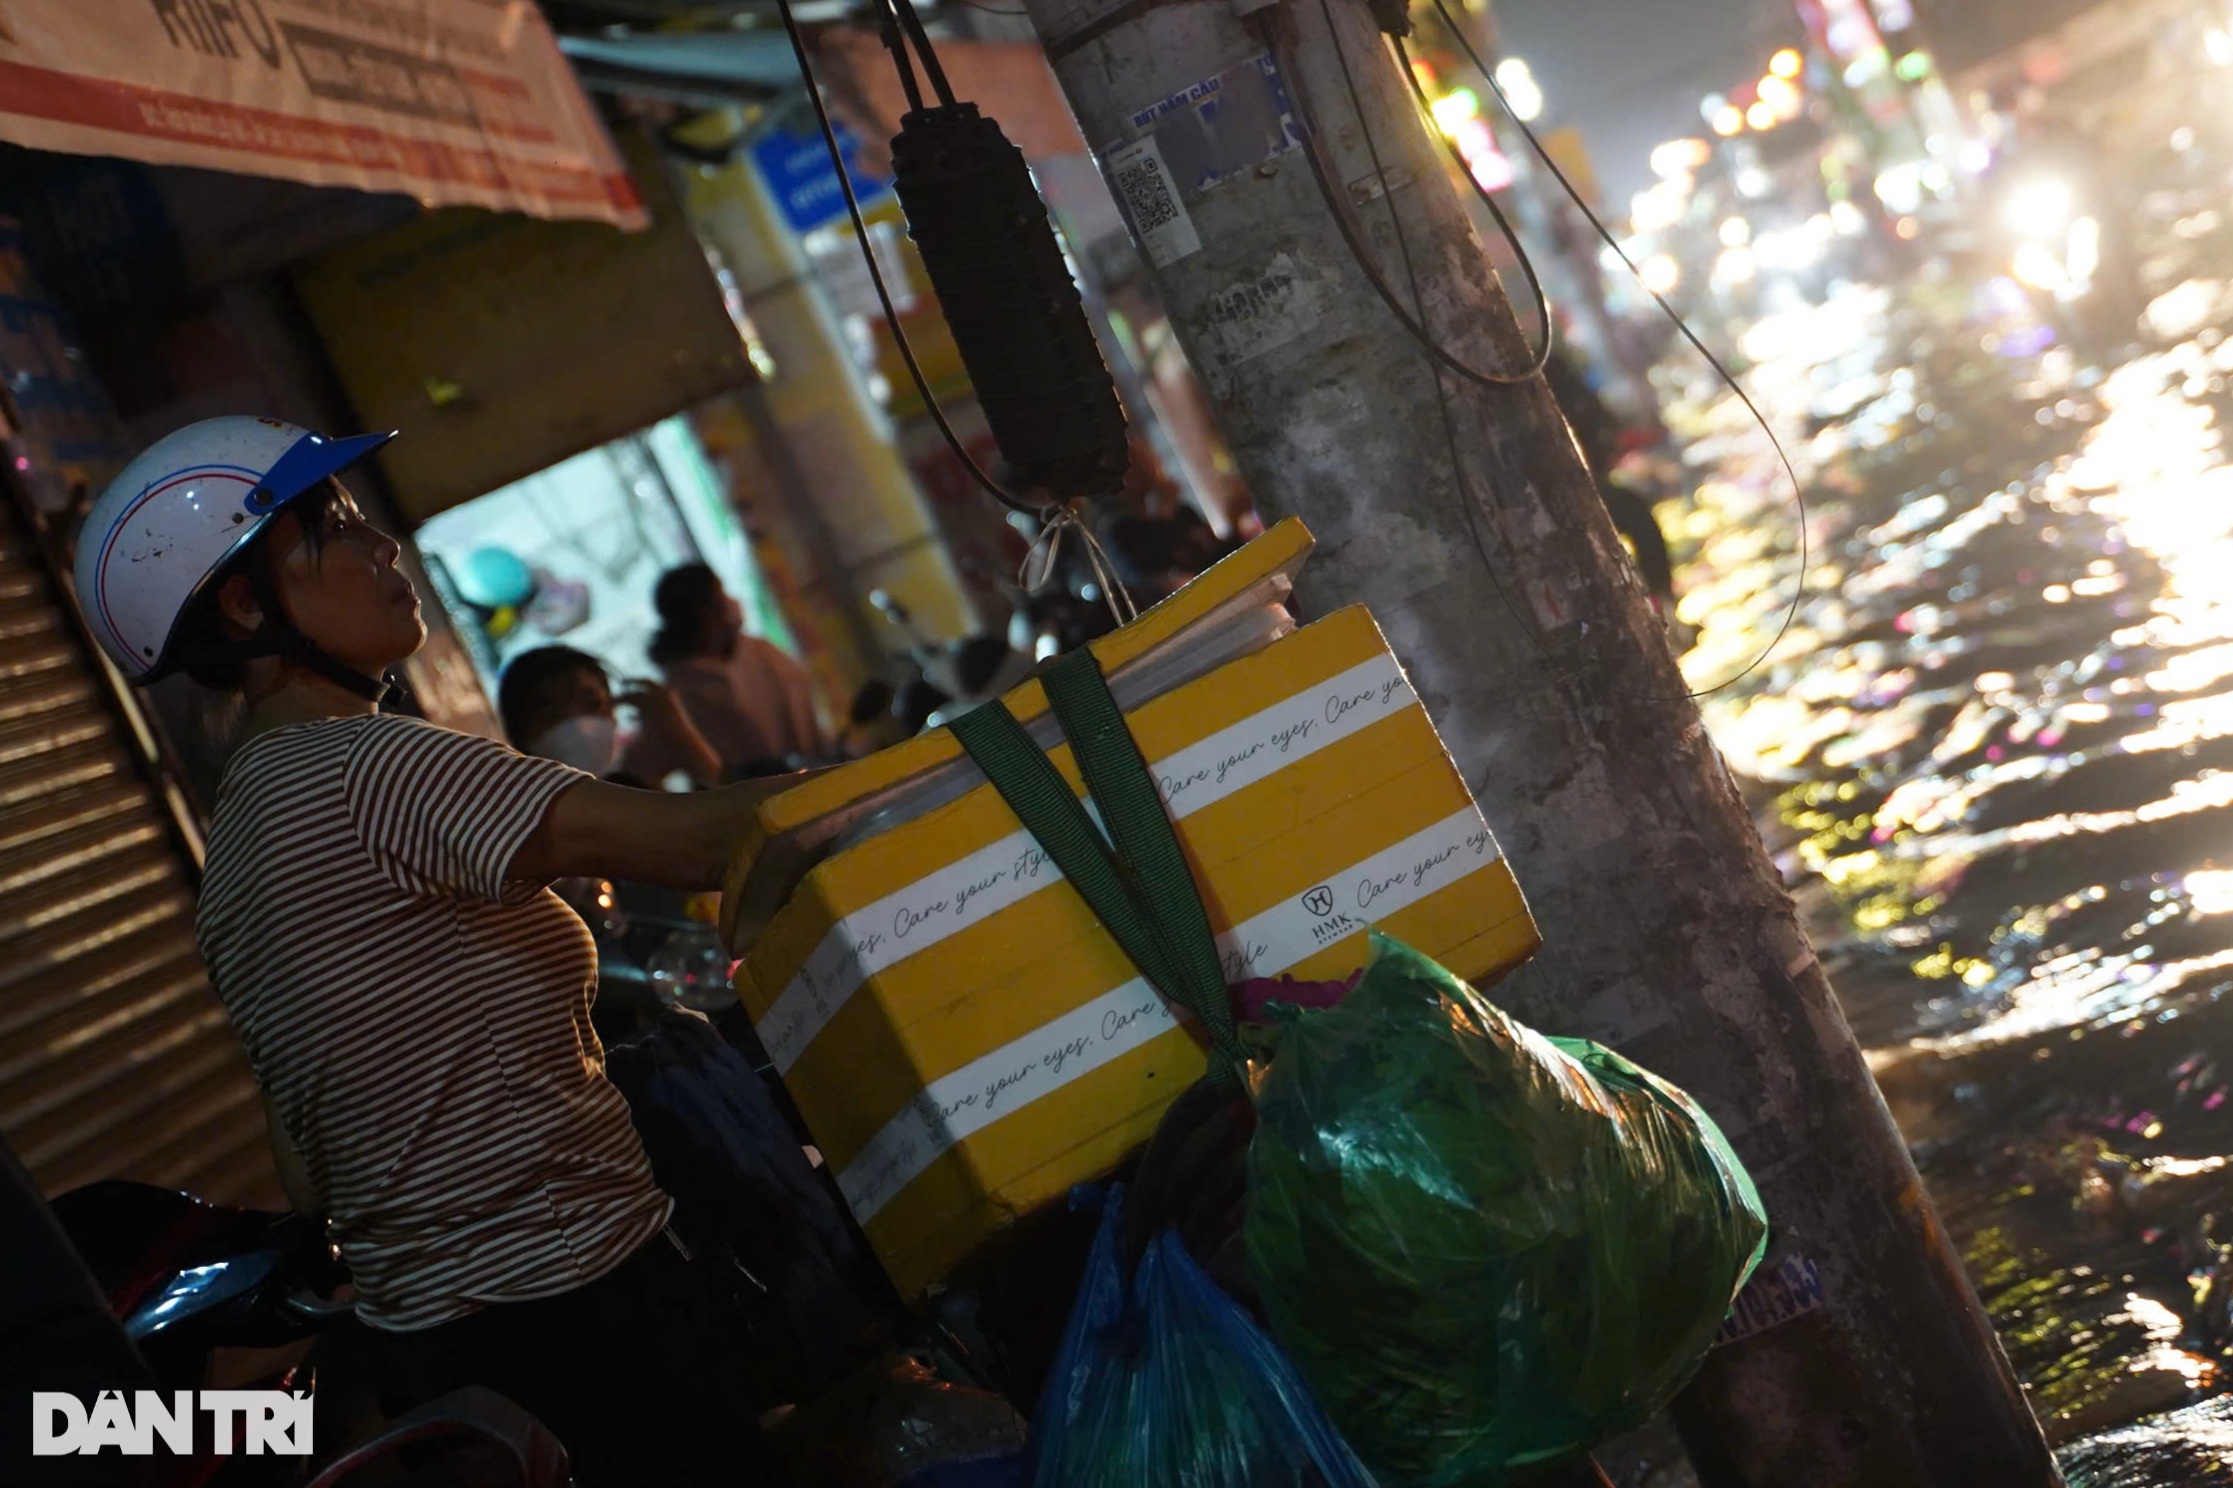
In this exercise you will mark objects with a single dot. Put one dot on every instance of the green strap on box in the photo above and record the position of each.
(1135, 880)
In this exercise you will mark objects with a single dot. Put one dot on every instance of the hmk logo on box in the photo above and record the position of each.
(269, 1421)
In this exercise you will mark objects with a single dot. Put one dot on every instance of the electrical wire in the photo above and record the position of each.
(913, 25)
(895, 42)
(1053, 517)
(1321, 172)
(1468, 507)
(1488, 199)
(1798, 489)
(992, 487)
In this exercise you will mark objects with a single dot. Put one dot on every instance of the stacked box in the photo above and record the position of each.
(967, 1042)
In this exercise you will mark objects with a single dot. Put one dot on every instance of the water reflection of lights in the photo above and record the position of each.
(2099, 583)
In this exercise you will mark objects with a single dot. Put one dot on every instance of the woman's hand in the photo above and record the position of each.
(665, 721)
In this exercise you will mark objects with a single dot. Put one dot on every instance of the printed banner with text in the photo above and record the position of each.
(454, 102)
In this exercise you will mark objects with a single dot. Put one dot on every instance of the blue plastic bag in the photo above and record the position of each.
(1169, 1382)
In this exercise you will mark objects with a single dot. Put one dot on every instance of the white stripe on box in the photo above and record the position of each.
(956, 1106)
(989, 880)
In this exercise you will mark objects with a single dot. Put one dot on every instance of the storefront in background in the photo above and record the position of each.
(570, 555)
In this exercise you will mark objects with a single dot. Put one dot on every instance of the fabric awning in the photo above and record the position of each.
(453, 102)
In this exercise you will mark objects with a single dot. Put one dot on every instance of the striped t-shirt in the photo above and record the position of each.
(420, 1023)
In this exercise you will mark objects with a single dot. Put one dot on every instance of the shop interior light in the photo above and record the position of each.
(1729, 122)
(1914, 67)
(1711, 106)
(1780, 95)
(1735, 232)
(1761, 116)
(1786, 63)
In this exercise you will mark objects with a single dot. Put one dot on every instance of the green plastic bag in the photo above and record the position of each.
(1486, 1248)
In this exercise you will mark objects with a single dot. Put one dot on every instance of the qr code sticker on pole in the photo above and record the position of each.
(1151, 202)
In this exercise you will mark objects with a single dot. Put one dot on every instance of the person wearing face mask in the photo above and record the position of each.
(557, 704)
(414, 1002)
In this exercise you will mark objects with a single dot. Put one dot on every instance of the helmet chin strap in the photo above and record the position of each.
(298, 650)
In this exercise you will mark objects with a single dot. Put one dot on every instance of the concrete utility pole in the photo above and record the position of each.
(1667, 933)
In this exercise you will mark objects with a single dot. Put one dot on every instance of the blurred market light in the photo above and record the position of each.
(1455, 108)
(1786, 63)
(1655, 210)
(1661, 274)
(1790, 251)
(1735, 232)
(1728, 121)
(1678, 158)
(1521, 92)
(1780, 96)
(2040, 206)
(1761, 116)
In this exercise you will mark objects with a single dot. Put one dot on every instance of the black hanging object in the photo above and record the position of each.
(1016, 317)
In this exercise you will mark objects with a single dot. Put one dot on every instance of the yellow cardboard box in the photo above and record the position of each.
(963, 1037)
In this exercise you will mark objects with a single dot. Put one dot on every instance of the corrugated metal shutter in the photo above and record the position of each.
(116, 1060)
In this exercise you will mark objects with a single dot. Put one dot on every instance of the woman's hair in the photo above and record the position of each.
(533, 680)
(691, 623)
(203, 644)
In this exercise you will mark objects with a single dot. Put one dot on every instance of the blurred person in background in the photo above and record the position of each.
(751, 702)
(557, 702)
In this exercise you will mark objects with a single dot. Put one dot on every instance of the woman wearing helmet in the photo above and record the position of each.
(413, 1000)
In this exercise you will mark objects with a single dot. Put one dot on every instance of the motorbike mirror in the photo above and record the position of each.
(198, 1290)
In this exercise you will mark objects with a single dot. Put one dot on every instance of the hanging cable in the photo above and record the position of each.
(1488, 199)
(1468, 506)
(895, 42)
(961, 452)
(1053, 516)
(1321, 171)
(913, 25)
(1798, 490)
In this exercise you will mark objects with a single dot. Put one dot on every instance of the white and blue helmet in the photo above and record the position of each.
(172, 517)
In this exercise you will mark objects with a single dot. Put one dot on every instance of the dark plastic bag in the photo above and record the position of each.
(766, 1229)
(1486, 1248)
(1169, 1383)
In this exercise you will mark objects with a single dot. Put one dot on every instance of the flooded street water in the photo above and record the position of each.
(1994, 755)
